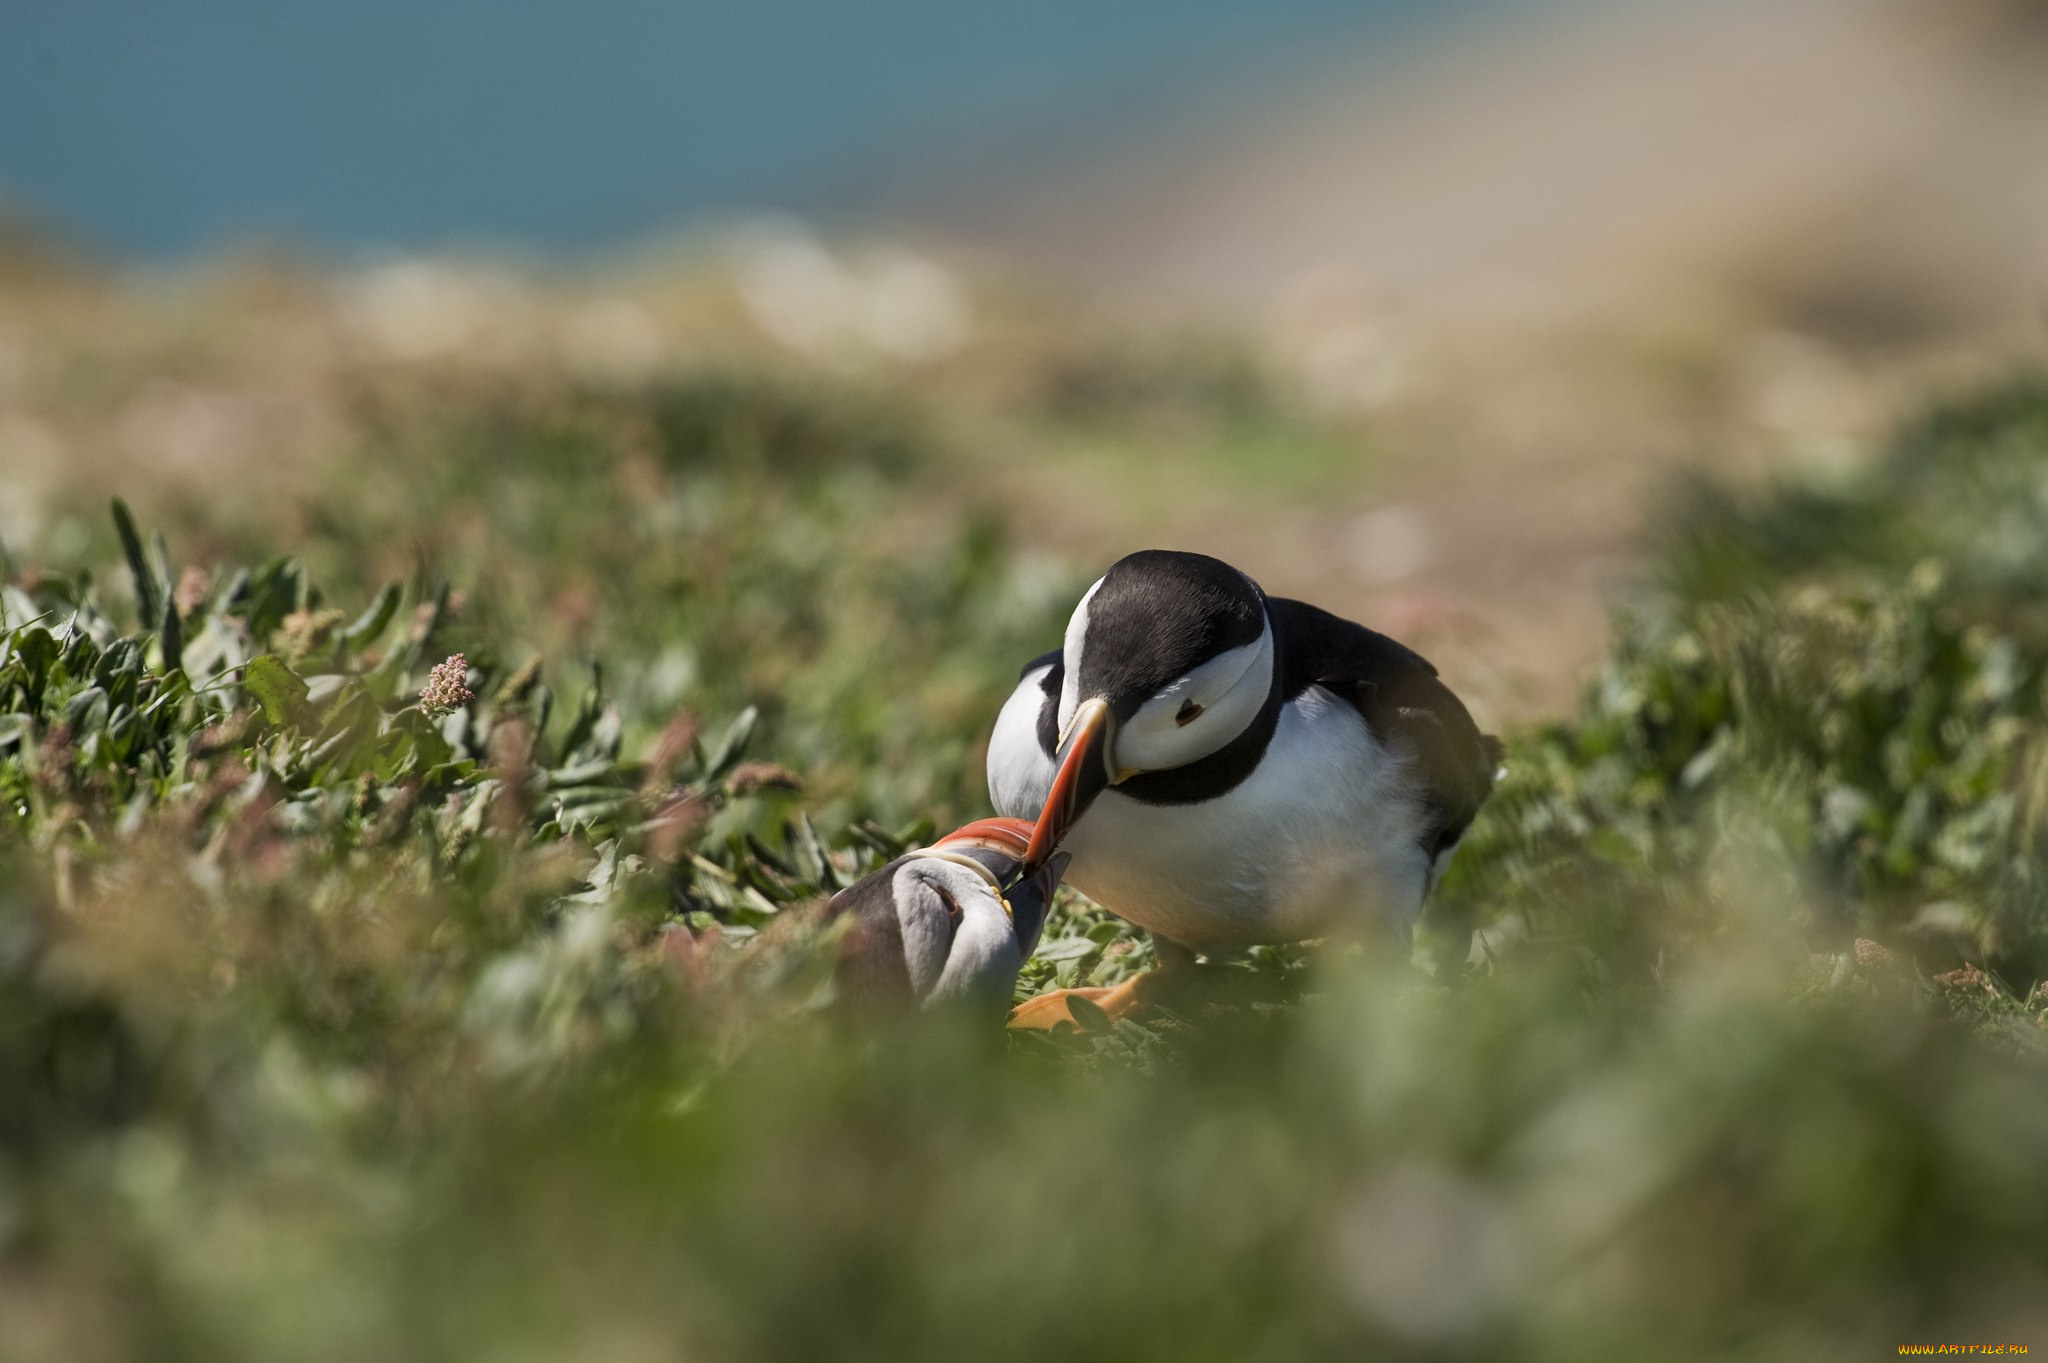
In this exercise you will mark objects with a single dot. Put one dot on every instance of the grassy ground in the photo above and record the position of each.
(336, 1027)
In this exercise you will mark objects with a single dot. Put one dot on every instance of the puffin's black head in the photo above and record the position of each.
(1155, 617)
(1168, 658)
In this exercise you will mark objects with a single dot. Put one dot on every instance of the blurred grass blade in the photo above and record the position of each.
(171, 637)
(588, 711)
(150, 593)
(732, 745)
(808, 851)
(160, 564)
(371, 623)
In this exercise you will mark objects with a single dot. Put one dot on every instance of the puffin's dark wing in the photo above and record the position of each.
(1056, 657)
(1050, 683)
(1404, 705)
(871, 965)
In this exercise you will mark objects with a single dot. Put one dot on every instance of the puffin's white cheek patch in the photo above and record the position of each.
(1200, 712)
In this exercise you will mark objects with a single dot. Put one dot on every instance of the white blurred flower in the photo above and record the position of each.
(805, 297)
(612, 339)
(913, 308)
(423, 309)
(791, 286)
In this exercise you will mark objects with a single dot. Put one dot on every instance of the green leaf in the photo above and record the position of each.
(593, 773)
(279, 690)
(348, 706)
(122, 662)
(121, 731)
(876, 839)
(80, 653)
(732, 745)
(1087, 1014)
(35, 648)
(267, 596)
(393, 755)
(371, 622)
(587, 713)
(86, 712)
(760, 855)
(172, 688)
(348, 734)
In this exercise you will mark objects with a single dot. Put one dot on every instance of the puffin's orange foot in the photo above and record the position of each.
(1046, 1012)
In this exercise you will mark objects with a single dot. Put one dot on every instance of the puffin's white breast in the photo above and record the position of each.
(1321, 837)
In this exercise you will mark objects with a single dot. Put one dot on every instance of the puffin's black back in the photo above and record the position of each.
(1397, 690)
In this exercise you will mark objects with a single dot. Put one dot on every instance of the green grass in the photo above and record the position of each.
(332, 1028)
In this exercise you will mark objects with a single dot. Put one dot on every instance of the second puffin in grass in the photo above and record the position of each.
(947, 924)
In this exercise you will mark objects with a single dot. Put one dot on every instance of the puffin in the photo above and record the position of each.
(1226, 768)
(947, 924)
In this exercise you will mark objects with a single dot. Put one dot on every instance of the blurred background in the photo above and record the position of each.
(744, 392)
(1515, 261)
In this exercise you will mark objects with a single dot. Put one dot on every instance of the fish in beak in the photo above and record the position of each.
(1083, 772)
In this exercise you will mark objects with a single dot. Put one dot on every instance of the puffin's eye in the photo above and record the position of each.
(1189, 713)
(954, 913)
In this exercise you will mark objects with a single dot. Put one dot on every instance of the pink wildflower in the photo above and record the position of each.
(1967, 977)
(444, 690)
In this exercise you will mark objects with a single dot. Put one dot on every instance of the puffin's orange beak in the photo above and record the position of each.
(1083, 774)
(1009, 836)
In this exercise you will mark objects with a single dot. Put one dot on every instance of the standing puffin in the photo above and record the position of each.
(953, 921)
(1252, 769)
